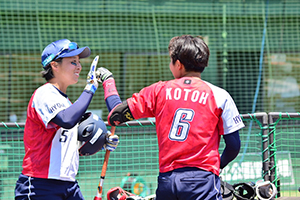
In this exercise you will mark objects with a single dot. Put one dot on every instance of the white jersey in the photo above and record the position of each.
(50, 151)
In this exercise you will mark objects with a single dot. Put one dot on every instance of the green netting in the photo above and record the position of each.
(249, 165)
(137, 154)
(250, 41)
(285, 152)
(255, 55)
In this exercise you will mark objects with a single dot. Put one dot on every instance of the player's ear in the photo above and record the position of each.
(54, 65)
(179, 65)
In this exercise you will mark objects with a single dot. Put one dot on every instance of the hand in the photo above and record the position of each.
(103, 74)
(92, 83)
(112, 142)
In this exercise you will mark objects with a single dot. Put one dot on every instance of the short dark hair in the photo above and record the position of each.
(48, 73)
(191, 51)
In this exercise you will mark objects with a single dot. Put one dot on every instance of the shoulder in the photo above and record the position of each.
(46, 89)
(221, 96)
(150, 92)
(218, 92)
(48, 94)
(155, 86)
(159, 84)
(216, 89)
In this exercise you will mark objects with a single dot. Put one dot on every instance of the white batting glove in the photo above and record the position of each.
(112, 142)
(103, 74)
(92, 83)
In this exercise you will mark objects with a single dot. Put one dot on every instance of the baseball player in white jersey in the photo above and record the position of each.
(51, 156)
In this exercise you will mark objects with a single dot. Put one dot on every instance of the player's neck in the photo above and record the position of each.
(192, 74)
(61, 87)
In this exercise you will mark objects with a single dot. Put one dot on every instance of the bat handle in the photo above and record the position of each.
(112, 130)
(103, 172)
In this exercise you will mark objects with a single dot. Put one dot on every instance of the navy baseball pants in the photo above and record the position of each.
(30, 188)
(188, 183)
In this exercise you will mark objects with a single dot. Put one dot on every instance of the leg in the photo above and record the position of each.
(74, 192)
(29, 188)
(165, 189)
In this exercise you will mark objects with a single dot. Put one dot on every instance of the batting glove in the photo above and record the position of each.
(92, 83)
(103, 74)
(112, 142)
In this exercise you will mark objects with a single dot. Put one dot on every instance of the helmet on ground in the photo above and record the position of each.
(244, 191)
(117, 193)
(226, 190)
(92, 133)
(265, 190)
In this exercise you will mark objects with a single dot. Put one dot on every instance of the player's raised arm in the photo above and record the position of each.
(119, 111)
(111, 95)
(69, 117)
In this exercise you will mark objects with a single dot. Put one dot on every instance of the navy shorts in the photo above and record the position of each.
(30, 188)
(188, 183)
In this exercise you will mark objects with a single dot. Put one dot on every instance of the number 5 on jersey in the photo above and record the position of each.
(63, 137)
(180, 125)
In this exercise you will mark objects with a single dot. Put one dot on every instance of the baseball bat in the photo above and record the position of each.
(103, 172)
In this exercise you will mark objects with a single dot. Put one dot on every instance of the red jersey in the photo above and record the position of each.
(191, 115)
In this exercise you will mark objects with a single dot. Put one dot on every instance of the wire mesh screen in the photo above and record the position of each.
(134, 164)
(254, 47)
(11, 157)
(247, 166)
(284, 151)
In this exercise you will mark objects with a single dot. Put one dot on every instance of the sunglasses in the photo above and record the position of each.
(70, 47)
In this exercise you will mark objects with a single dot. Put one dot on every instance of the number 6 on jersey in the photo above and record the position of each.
(180, 125)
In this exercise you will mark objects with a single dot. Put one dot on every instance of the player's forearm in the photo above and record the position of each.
(111, 95)
(69, 117)
(118, 112)
(232, 148)
(112, 101)
(109, 87)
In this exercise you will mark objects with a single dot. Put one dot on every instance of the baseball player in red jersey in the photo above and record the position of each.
(51, 156)
(191, 116)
